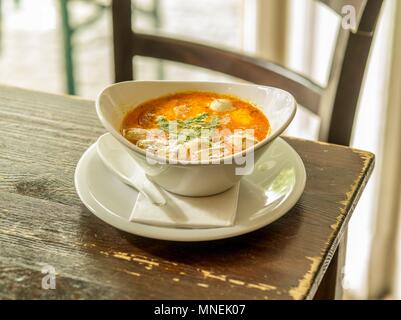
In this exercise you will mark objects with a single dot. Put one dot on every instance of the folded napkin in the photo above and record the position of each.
(188, 212)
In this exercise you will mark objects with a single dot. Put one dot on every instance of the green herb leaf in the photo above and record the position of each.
(163, 123)
(190, 128)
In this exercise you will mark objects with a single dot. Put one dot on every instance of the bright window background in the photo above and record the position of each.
(186, 19)
(32, 46)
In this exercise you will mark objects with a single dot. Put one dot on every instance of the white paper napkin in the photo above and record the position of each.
(189, 212)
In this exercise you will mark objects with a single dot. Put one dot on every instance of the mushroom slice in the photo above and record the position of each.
(135, 134)
(221, 105)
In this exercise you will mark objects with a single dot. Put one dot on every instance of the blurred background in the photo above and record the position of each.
(66, 47)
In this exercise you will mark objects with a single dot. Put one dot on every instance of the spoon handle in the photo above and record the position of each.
(146, 187)
(153, 193)
(122, 165)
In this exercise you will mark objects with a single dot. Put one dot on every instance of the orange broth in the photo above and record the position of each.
(184, 105)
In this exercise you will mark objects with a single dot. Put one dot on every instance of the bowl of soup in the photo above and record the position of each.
(195, 138)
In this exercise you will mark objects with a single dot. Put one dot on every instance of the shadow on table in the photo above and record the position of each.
(270, 241)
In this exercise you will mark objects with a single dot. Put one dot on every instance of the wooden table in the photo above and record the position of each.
(42, 222)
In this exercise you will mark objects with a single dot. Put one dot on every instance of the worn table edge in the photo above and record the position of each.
(368, 169)
(4, 86)
(364, 153)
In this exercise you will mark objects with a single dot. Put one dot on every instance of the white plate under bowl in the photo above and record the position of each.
(271, 191)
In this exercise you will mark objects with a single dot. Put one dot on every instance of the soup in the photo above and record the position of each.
(195, 125)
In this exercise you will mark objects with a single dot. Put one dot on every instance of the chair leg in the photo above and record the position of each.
(68, 48)
(157, 25)
(1, 27)
(122, 39)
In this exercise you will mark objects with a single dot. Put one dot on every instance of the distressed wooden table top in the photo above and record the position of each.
(42, 221)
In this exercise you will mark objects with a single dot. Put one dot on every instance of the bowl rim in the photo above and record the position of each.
(223, 160)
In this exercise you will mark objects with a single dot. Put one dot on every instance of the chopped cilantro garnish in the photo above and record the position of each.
(190, 128)
(163, 123)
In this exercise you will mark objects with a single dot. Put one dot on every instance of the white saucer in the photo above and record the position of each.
(271, 191)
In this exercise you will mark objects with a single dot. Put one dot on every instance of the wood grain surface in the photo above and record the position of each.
(42, 221)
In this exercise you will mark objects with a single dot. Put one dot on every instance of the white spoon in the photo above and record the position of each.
(118, 160)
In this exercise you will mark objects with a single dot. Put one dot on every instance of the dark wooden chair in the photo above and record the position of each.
(335, 104)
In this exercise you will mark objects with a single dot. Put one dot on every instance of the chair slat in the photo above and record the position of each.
(353, 67)
(248, 68)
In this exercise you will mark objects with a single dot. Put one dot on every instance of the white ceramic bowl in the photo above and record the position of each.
(193, 178)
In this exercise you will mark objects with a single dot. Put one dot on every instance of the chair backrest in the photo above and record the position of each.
(336, 103)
